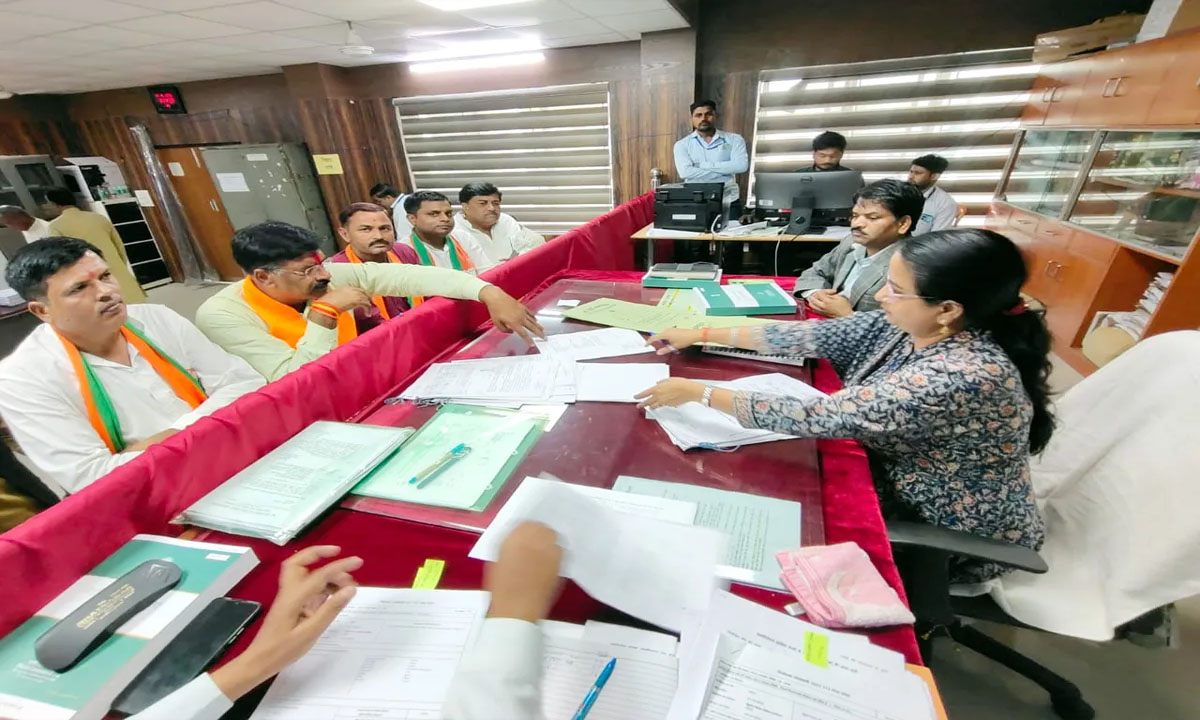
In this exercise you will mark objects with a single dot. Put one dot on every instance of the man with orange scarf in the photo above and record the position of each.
(367, 231)
(98, 382)
(292, 308)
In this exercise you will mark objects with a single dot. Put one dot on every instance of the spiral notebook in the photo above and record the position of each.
(795, 360)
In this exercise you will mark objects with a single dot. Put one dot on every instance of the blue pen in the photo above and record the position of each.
(590, 699)
(427, 475)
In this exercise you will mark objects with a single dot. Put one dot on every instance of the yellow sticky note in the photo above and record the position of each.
(816, 649)
(330, 164)
(429, 574)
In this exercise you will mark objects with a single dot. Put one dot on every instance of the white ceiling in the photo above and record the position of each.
(66, 46)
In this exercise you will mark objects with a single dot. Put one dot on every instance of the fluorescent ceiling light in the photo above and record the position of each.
(478, 49)
(457, 5)
(477, 63)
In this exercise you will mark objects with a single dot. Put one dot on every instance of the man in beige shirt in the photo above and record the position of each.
(95, 229)
(292, 308)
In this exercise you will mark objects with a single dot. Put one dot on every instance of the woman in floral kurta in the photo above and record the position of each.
(930, 391)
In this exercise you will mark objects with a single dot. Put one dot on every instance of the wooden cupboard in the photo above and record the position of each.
(1103, 191)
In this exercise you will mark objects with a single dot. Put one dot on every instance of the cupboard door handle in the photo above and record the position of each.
(1054, 96)
(1107, 85)
(1046, 270)
(1117, 88)
(213, 204)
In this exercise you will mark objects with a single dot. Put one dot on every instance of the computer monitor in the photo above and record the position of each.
(832, 193)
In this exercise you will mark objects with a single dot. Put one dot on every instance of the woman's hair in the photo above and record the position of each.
(983, 271)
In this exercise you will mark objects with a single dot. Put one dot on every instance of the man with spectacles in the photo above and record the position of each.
(292, 308)
(846, 278)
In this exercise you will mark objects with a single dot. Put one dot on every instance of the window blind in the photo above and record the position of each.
(547, 149)
(965, 107)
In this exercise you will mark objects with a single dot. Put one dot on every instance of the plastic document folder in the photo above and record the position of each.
(650, 318)
(498, 440)
(750, 299)
(282, 492)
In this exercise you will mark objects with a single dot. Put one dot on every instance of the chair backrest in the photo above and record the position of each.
(21, 480)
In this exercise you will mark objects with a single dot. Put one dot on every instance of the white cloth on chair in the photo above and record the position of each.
(1119, 491)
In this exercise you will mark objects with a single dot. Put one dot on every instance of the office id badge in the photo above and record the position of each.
(459, 459)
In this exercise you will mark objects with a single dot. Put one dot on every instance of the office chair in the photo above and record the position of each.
(923, 555)
(21, 480)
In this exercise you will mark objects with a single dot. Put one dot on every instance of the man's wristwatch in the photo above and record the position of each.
(706, 398)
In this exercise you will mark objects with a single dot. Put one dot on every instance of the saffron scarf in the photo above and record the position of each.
(284, 322)
(100, 411)
(377, 299)
(459, 259)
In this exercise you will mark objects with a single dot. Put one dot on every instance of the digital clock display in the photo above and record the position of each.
(167, 100)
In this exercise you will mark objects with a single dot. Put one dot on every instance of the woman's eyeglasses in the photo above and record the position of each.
(893, 293)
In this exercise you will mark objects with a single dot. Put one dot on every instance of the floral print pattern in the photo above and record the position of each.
(946, 427)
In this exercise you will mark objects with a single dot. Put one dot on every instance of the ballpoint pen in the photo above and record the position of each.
(590, 699)
(427, 475)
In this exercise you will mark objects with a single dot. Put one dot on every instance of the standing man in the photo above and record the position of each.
(389, 197)
(98, 382)
(99, 232)
(366, 228)
(941, 211)
(33, 228)
(828, 149)
(480, 221)
(846, 279)
(709, 154)
(432, 221)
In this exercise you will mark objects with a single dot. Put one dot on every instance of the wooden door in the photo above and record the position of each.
(1069, 80)
(1178, 98)
(1121, 87)
(1077, 279)
(205, 214)
(1040, 95)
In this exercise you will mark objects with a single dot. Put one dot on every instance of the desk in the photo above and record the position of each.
(591, 445)
(643, 234)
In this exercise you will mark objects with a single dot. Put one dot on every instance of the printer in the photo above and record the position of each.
(695, 207)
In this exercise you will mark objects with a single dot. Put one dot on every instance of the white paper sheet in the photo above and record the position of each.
(521, 379)
(748, 623)
(640, 688)
(616, 382)
(631, 637)
(143, 198)
(232, 182)
(660, 572)
(655, 508)
(757, 526)
(593, 344)
(390, 652)
(176, 169)
(751, 681)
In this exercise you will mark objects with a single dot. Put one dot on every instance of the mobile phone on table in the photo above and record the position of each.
(192, 651)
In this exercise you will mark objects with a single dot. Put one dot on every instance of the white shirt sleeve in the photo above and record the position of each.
(501, 676)
(225, 377)
(200, 699)
(50, 424)
(522, 238)
(947, 211)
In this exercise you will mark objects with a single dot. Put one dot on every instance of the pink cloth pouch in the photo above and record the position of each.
(838, 587)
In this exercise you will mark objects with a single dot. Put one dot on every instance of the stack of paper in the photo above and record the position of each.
(501, 382)
(593, 344)
(746, 657)
(282, 492)
(616, 382)
(693, 425)
(650, 318)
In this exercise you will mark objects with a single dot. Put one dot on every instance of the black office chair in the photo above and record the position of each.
(923, 555)
(21, 480)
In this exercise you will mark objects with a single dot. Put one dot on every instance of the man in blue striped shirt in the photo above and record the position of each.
(709, 154)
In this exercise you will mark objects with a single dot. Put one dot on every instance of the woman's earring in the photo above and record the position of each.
(945, 330)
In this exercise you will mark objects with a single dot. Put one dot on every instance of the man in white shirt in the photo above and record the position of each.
(499, 679)
(432, 221)
(33, 228)
(709, 154)
(941, 212)
(99, 382)
(389, 197)
(482, 223)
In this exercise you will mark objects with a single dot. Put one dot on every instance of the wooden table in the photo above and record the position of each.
(644, 234)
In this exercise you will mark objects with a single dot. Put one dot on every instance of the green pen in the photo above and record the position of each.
(428, 475)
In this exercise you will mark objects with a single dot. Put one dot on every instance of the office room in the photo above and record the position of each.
(702, 359)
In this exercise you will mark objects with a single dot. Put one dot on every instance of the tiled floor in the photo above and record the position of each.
(1120, 680)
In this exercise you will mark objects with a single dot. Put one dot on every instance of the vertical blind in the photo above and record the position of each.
(964, 107)
(547, 149)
